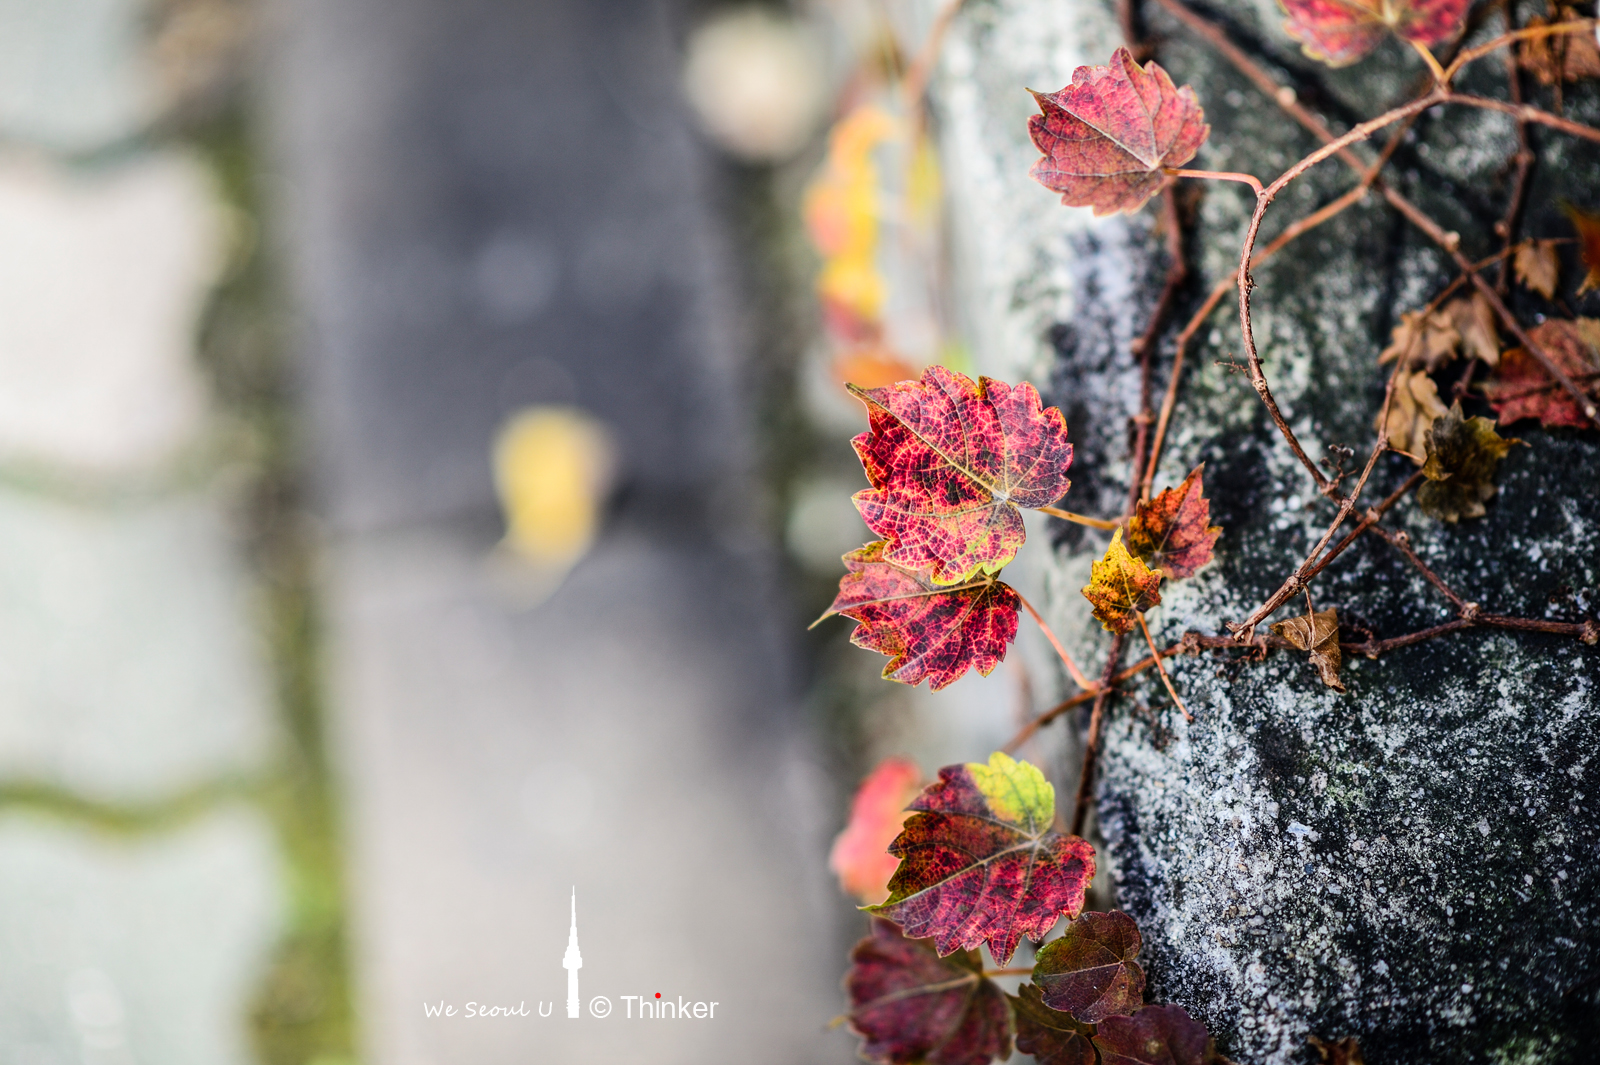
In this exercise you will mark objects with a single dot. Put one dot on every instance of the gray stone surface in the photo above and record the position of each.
(132, 671)
(1414, 863)
(120, 950)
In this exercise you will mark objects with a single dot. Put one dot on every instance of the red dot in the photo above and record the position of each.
(658, 994)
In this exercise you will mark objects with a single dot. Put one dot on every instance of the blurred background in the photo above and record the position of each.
(422, 448)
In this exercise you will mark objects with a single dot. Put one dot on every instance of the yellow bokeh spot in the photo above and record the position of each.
(551, 468)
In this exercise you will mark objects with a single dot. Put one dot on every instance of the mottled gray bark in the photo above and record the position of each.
(1416, 862)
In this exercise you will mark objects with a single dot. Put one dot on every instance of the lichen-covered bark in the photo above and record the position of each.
(1416, 862)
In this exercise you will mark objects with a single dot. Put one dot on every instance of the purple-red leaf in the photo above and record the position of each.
(1052, 1037)
(929, 633)
(1156, 1035)
(981, 863)
(1090, 972)
(950, 461)
(910, 1005)
(1108, 136)
(1339, 32)
(1172, 533)
(860, 854)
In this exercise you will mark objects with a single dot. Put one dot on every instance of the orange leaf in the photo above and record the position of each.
(1121, 586)
(1170, 533)
(860, 854)
(1588, 226)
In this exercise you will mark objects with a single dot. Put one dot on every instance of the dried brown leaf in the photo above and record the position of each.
(1463, 454)
(1538, 267)
(1411, 412)
(1564, 57)
(1427, 340)
(1319, 635)
(1346, 1051)
(1474, 319)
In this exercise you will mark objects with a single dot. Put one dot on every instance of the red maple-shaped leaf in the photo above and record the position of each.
(1052, 1037)
(1108, 136)
(929, 632)
(860, 854)
(981, 863)
(1339, 32)
(910, 1005)
(950, 461)
(1522, 388)
(1172, 533)
(1156, 1035)
(1090, 972)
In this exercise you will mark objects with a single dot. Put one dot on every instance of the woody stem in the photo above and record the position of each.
(1083, 683)
(1155, 653)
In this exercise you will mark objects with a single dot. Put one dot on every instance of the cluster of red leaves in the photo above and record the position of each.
(1339, 32)
(950, 462)
(980, 864)
(1109, 137)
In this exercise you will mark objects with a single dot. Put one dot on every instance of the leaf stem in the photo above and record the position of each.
(1155, 655)
(1216, 175)
(1439, 75)
(1013, 971)
(1526, 34)
(1083, 683)
(1081, 519)
(1091, 745)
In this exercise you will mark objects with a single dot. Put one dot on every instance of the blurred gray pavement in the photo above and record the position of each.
(486, 204)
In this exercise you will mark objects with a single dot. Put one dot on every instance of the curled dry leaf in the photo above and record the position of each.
(1319, 635)
(1339, 32)
(1564, 57)
(1411, 411)
(1346, 1051)
(1156, 1035)
(1090, 972)
(1462, 456)
(1121, 586)
(860, 855)
(1474, 319)
(1050, 1036)
(1538, 266)
(1427, 340)
(1108, 136)
(1171, 533)
(1521, 387)
(981, 863)
(929, 632)
(950, 461)
(1587, 223)
(910, 1005)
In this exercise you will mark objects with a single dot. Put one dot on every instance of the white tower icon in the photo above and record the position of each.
(573, 961)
